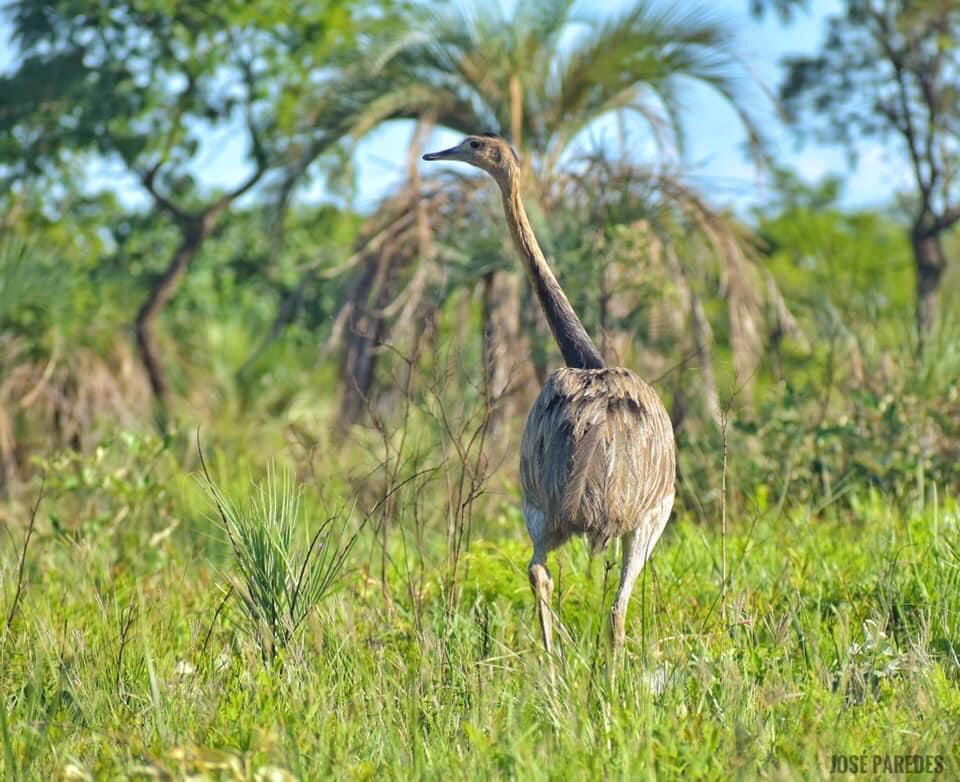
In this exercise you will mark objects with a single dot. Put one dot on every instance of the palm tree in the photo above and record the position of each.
(544, 75)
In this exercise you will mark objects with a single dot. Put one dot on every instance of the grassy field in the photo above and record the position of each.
(124, 656)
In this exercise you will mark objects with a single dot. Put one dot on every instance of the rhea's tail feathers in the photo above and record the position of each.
(583, 460)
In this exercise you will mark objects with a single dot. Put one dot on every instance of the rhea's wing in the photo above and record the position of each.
(562, 431)
(637, 457)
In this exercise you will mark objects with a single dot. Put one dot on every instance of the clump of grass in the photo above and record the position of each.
(282, 572)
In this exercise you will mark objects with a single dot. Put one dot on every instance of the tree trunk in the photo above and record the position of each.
(702, 342)
(364, 330)
(359, 367)
(509, 372)
(930, 262)
(702, 346)
(160, 295)
(376, 297)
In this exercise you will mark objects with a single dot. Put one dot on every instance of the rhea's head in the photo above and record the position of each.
(486, 151)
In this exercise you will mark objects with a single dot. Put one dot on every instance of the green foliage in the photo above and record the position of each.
(892, 440)
(855, 267)
(145, 81)
(845, 403)
(281, 575)
(54, 282)
(24, 287)
(121, 497)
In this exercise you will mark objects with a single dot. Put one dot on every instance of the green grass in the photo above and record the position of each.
(839, 634)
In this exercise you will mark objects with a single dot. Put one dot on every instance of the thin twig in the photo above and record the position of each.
(127, 618)
(18, 594)
(213, 622)
(724, 420)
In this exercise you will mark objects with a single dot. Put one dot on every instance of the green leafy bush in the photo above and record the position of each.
(280, 574)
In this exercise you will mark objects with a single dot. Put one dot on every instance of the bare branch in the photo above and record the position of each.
(946, 219)
(257, 150)
(906, 127)
(148, 180)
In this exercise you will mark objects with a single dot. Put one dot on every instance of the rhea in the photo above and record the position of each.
(597, 457)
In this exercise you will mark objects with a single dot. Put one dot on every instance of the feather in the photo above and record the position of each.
(597, 454)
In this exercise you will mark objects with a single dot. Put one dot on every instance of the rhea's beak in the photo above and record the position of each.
(444, 154)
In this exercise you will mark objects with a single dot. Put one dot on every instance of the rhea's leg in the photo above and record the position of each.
(542, 585)
(637, 546)
(540, 581)
(632, 564)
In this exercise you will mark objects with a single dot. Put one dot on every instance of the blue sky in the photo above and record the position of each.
(715, 159)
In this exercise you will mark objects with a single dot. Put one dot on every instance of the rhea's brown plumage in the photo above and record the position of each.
(598, 455)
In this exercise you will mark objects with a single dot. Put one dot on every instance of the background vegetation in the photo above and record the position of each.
(258, 449)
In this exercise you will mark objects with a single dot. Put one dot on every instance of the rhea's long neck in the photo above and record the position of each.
(575, 344)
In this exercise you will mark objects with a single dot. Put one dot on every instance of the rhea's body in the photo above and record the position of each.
(597, 458)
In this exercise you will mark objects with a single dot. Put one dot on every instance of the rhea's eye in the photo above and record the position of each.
(476, 144)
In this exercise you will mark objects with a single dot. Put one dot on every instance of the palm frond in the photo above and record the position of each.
(645, 52)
